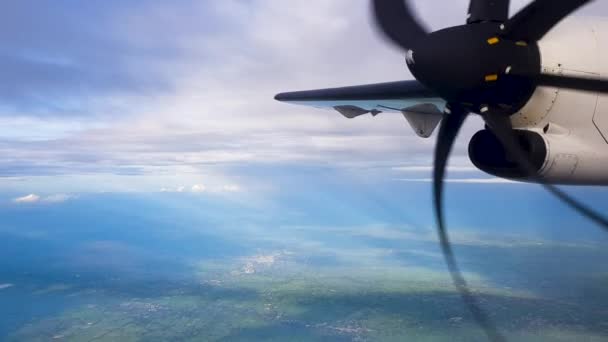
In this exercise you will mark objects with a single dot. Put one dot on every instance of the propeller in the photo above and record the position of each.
(398, 23)
(483, 11)
(539, 17)
(491, 66)
(448, 131)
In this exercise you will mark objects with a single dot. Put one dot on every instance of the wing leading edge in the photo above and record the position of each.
(421, 107)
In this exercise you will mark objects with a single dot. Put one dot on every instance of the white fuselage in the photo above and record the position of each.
(574, 124)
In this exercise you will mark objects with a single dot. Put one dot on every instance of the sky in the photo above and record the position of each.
(157, 96)
(138, 132)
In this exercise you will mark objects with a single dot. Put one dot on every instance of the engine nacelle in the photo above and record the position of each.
(488, 154)
(556, 156)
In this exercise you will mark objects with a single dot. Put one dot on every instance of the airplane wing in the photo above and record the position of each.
(422, 108)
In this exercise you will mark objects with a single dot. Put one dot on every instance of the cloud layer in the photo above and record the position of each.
(185, 90)
(51, 199)
(31, 198)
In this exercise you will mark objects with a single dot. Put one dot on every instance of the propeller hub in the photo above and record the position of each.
(470, 65)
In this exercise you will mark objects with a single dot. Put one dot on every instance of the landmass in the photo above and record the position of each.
(278, 297)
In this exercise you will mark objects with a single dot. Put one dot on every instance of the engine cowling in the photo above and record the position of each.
(488, 154)
(557, 156)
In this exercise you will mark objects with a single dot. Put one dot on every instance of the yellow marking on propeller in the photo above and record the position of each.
(521, 43)
(493, 40)
(492, 78)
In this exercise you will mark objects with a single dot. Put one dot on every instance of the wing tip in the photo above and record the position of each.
(282, 97)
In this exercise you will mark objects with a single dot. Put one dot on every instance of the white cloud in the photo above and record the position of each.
(51, 199)
(5, 286)
(31, 198)
(58, 198)
(231, 188)
(198, 188)
(201, 188)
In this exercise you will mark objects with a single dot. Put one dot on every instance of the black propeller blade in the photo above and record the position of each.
(488, 11)
(539, 17)
(598, 85)
(448, 131)
(398, 23)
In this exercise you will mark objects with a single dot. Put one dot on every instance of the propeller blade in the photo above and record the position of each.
(598, 85)
(398, 23)
(539, 17)
(484, 11)
(448, 131)
(501, 126)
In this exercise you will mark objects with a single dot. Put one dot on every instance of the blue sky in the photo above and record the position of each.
(155, 96)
